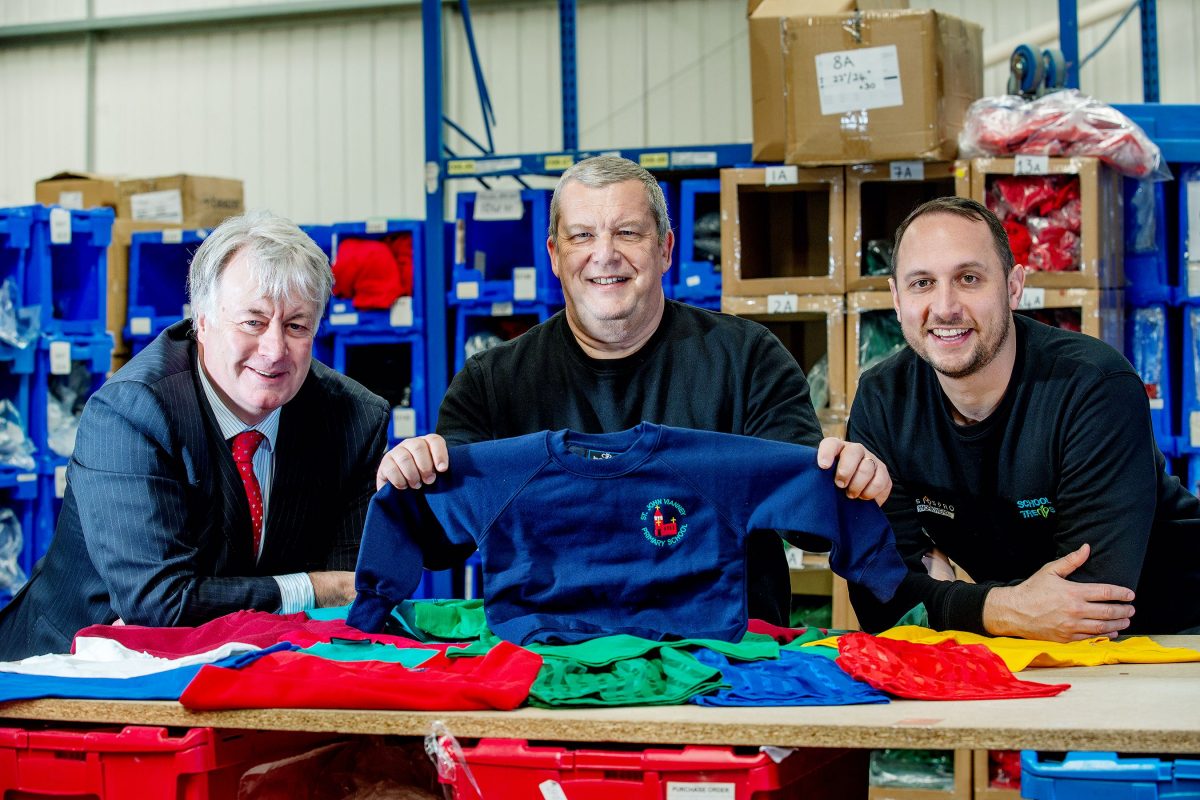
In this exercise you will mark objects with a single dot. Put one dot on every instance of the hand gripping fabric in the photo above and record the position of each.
(244, 446)
(944, 671)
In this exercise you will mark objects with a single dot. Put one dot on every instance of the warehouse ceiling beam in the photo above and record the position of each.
(198, 19)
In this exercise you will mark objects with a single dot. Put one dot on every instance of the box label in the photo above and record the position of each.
(72, 200)
(1194, 425)
(1193, 217)
(694, 158)
(60, 358)
(164, 206)
(781, 176)
(1031, 165)
(502, 309)
(854, 80)
(377, 225)
(401, 315)
(524, 283)
(139, 326)
(343, 319)
(551, 790)
(404, 422)
(692, 281)
(467, 290)
(173, 236)
(60, 482)
(557, 162)
(465, 167)
(496, 206)
(655, 160)
(782, 303)
(907, 170)
(60, 226)
(677, 790)
(1032, 297)
(1193, 278)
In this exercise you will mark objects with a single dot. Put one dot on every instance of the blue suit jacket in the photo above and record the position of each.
(155, 526)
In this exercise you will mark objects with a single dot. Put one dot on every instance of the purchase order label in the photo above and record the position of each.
(852, 80)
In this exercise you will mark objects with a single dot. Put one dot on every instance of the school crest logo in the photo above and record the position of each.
(663, 522)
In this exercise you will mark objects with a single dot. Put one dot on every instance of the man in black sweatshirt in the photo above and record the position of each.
(1023, 453)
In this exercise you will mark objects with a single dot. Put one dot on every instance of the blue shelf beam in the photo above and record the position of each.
(655, 159)
(1149, 15)
(435, 209)
(569, 77)
(1068, 39)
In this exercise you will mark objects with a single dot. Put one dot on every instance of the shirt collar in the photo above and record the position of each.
(228, 422)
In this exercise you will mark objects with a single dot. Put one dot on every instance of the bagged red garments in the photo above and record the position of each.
(1042, 215)
(366, 271)
(943, 671)
(1064, 123)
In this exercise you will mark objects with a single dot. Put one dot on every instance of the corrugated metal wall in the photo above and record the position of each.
(323, 120)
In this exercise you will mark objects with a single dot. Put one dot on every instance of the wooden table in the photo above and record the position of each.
(1133, 708)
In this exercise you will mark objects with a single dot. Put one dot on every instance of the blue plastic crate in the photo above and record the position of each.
(70, 267)
(158, 269)
(18, 388)
(382, 362)
(408, 314)
(1149, 349)
(475, 318)
(1188, 440)
(1189, 233)
(24, 508)
(503, 260)
(1105, 776)
(698, 273)
(1148, 276)
(322, 235)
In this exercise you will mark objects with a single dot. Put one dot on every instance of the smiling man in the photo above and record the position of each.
(621, 353)
(222, 468)
(1022, 452)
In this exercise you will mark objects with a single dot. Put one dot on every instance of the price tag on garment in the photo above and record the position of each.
(498, 206)
(678, 790)
(524, 283)
(782, 303)
(341, 320)
(552, 790)
(1032, 297)
(404, 422)
(781, 176)
(60, 226)
(139, 326)
(72, 200)
(174, 236)
(60, 358)
(401, 315)
(854, 80)
(467, 290)
(1031, 165)
(60, 482)
(504, 309)
(907, 170)
(377, 225)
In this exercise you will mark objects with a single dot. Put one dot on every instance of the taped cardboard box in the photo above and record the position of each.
(78, 190)
(765, 24)
(195, 201)
(878, 85)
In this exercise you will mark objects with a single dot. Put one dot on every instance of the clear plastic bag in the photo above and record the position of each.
(818, 382)
(913, 769)
(12, 577)
(15, 448)
(1066, 123)
(18, 325)
(68, 393)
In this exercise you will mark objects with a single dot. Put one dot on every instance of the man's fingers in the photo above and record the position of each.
(827, 451)
(439, 451)
(1105, 593)
(862, 476)
(1064, 566)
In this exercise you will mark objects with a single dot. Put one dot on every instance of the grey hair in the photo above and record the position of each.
(286, 263)
(600, 171)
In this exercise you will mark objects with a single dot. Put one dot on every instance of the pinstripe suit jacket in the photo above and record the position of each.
(155, 526)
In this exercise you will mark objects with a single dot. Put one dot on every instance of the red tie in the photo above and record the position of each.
(244, 445)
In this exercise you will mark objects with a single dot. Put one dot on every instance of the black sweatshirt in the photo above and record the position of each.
(700, 370)
(1067, 457)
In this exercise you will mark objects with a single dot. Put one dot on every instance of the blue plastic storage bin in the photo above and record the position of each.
(70, 266)
(489, 251)
(1148, 276)
(698, 270)
(1189, 232)
(474, 318)
(1104, 776)
(407, 315)
(383, 362)
(1149, 348)
(158, 269)
(322, 235)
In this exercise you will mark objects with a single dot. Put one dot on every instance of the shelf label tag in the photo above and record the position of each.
(524, 283)
(402, 313)
(404, 422)
(498, 206)
(1032, 297)
(782, 176)
(907, 170)
(60, 358)
(1031, 165)
(782, 303)
(60, 226)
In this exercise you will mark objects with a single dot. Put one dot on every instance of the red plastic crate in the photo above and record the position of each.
(510, 769)
(147, 763)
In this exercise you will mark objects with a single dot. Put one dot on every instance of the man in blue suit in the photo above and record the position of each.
(221, 469)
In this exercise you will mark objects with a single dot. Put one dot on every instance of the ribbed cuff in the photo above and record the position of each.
(296, 591)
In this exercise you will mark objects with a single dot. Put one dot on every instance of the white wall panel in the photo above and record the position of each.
(323, 120)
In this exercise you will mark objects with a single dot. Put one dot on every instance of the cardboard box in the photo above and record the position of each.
(118, 281)
(781, 231)
(962, 785)
(78, 190)
(1102, 238)
(879, 197)
(1101, 311)
(811, 326)
(766, 26)
(874, 86)
(191, 200)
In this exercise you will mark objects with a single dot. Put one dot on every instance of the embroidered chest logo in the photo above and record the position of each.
(662, 522)
(1035, 507)
(934, 507)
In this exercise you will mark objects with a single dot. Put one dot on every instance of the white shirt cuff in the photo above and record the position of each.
(296, 591)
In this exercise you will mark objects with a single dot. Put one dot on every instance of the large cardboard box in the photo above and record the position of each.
(78, 190)
(195, 201)
(766, 25)
(877, 85)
